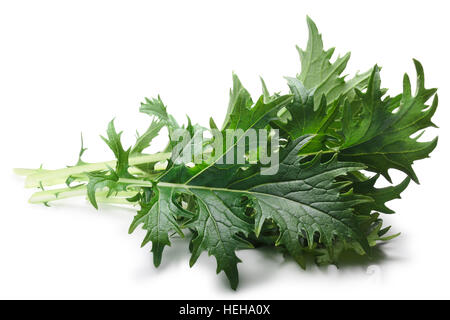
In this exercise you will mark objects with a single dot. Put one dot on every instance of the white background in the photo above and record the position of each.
(71, 66)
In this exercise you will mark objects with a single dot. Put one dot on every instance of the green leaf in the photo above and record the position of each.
(379, 195)
(302, 199)
(101, 180)
(155, 107)
(218, 224)
(370, 225)
(158, 215)
(319, 73)
(378, 131)
(213, 214)
(110, 179)
(143, 141)
(318, 202)
(266, 93)
(259, 116)
(240, 101)
(304, 119)
(81, 153)
(305, 200)
(122, 156)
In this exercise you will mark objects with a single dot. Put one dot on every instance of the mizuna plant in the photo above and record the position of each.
(338, 136)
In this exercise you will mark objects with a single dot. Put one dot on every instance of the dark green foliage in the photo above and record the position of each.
(320, 203)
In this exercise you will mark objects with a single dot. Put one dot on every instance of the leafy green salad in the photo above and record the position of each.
(334, 137)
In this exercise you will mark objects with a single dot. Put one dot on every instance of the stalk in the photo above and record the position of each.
(37, 177)
(120, 198)
(79, 191)
(57, 194)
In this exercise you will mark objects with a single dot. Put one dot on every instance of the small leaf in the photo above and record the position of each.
(320, 74)
(158, 216)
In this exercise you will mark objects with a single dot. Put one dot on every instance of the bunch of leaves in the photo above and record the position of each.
(339, 137)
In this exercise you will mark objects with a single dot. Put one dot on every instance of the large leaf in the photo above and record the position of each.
(242, 119)
(378, 130)
(304, 200)
(213, 234)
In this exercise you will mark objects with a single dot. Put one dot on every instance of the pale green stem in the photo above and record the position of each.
(57, 194)
(132, 183)
(80, 191)
(119, 199)
(38, 177)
